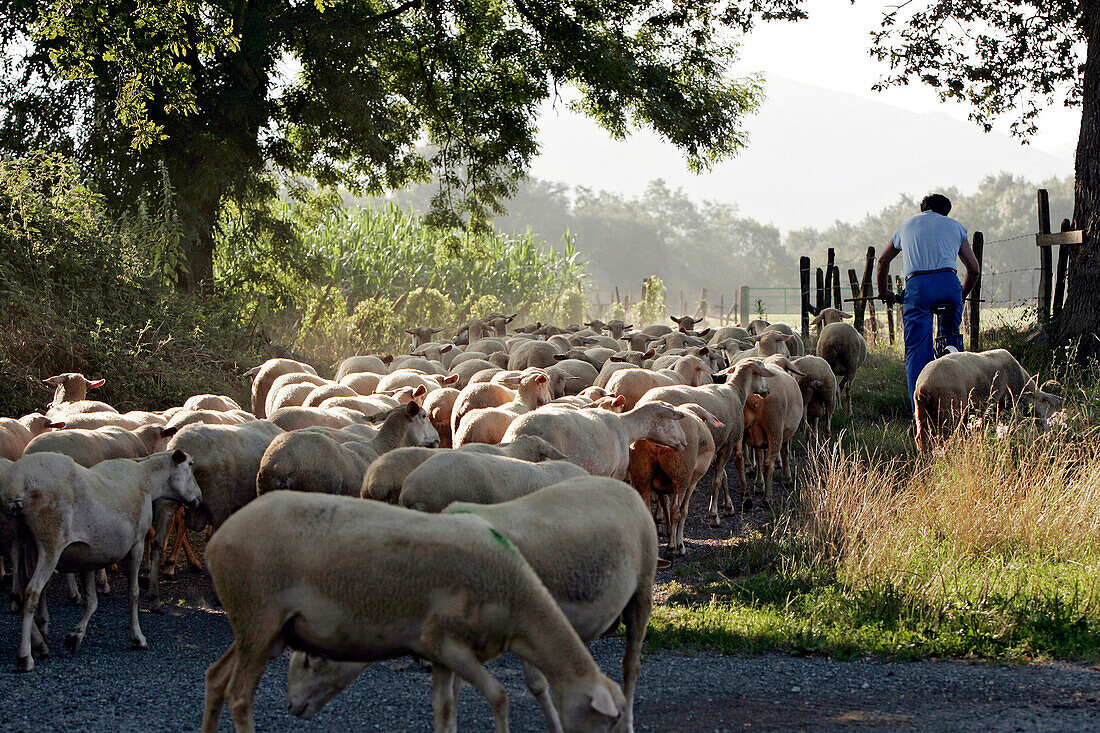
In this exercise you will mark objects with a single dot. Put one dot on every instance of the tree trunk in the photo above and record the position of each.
(1079, 324)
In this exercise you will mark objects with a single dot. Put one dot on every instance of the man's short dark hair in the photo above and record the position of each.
(936, 202)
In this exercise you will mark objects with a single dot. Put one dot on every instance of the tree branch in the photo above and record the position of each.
(394, 12)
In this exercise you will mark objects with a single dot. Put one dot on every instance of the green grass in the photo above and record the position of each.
(991, 554)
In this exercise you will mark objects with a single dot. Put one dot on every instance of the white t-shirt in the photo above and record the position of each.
(929, 241)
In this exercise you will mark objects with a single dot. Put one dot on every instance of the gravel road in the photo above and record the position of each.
(107, 687)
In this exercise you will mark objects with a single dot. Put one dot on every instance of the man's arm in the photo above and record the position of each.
(883, 271)
(973, 269)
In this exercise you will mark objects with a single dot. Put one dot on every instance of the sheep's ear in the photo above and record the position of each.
(54, 381)
(781, 336)
(168, 432)
(435, 330)
(96, 383)
(619, 401)
(511, 382)
(543, 379)
(561, 357)
(446, 348)
(704, 333)
(649, 354)
(55, 425)
(410, 331)
(674, 319)
(616, 359)
(412, 409)
(449, 380)
(509, 319)
(387, 359)
(251, 372)
(420, 391)
(846, 315)
(178, 456)
(628, 325)
(697, 320)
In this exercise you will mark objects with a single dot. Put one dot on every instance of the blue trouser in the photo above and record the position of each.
(921, 293)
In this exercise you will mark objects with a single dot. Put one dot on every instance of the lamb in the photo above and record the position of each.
(83, 519)
(616, 536)
(367, 406)
(479, 478)
(828, 316)
(582, 371)
(599, 440)
(227, 459)
(373, 364)
(622, 360)
(962, 383)
(467, 370)
(727, 403)
(267, 373)
(313, 461)
(488, 425)
(434, 352)
(16, 434)
(89, 447)
(757, 327)
(845, 350)
(464, 596)
(820, 401)
(794, 344)
(217, 402)
(386, 476)
(632, 384)
(673, 475)
(772, 421)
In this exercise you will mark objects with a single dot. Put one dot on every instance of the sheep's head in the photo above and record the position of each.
(662, 424)
(751, 375)
(311, 681)
(37, 423)
(773, 342)
(617, 328)
(534, 388)
(830, 315)
(597, 325)
(757, 327)
(1043, 404)
(71, 386)
(422, 335)
(535, 449)
(595, 704)
(686, 324)
(694, 371)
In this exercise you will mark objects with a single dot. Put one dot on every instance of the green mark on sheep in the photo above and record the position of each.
(502, 539)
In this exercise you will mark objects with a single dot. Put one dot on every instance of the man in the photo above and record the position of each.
(929, 243)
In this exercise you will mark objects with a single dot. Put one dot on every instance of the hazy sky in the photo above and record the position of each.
(830, 50)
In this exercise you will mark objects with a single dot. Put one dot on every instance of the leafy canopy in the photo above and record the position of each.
(1004, 58)
(207, 89)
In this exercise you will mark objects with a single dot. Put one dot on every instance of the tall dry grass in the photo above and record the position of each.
(997, 501)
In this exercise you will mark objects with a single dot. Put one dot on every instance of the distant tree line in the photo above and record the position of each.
(703, 244)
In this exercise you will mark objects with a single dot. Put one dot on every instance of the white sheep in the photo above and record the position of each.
(448, 588)
(841, 345)
(615, 534)
(265, 374)
(16, 434)
(599, 440)
(85, 519)
(488, 425)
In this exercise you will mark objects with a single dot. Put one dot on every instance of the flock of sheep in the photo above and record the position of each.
(500, 520)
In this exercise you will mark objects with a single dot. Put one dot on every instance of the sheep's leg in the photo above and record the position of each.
(768, 469)
(137, 639)
(241, 690)
(187, 549)
(739, 462)
(217, 681)
(540, 688)
(43, 569)
(670, 519)
(91, 603)
(72, 590)
(636, 619)
(163, 510)
(177, 530)
(459, 658)
(18, 576)
(444, 699)
(720, 484)
(685, 505)
(785, 456)
(760, 480)
(101, 581)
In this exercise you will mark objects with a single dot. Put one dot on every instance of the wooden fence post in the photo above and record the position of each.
(976, 295)
(1045, 264)
(820, 289)
(804, 281)
(1060, 277)
(745, 304)
(890, 313)
(868, 273)
(830, 267)
(857, 302)
(722, 308)
(837, 302)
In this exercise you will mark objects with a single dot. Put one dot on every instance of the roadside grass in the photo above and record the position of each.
(991, 550)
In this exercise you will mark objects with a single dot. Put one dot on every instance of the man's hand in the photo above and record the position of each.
(888, 297)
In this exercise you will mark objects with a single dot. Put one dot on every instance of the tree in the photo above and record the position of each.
(1008, 59)
(195, 93)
